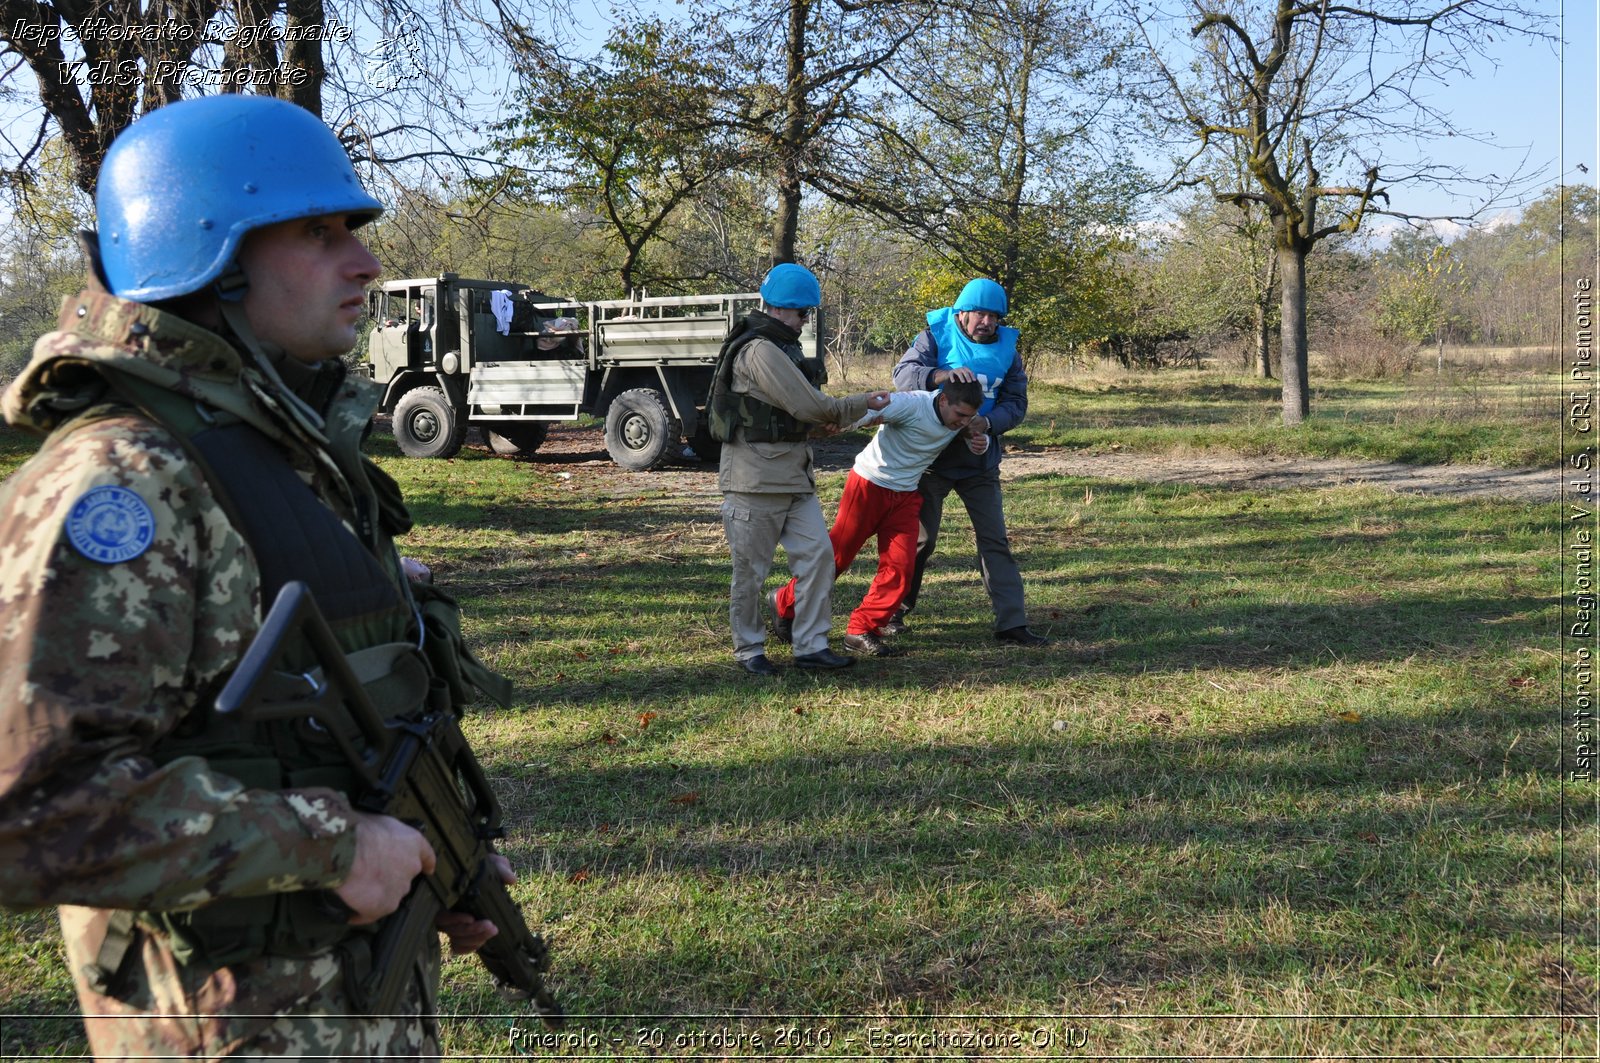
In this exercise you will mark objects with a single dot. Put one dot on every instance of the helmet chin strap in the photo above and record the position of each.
(230, 288)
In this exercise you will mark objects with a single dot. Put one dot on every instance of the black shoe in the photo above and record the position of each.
(758, 665)
(782, 627)
(1021, 636)
(869, 645)
(823, 659)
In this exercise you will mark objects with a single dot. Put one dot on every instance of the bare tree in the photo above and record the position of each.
(828, 51)
(1304, 89)
(82, 70)
(994, 145)
(1214, 273)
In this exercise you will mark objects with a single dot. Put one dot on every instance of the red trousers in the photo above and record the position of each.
(866, 508)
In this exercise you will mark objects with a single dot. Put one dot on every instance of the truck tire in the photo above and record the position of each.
(640, 432)
(427, 426)
(517, 437)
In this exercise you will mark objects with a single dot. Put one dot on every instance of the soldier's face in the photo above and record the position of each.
(308, 282)
(795, 319)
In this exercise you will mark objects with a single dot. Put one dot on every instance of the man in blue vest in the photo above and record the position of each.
(967, 342)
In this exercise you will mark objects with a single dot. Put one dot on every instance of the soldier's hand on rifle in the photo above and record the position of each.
(389, 855)
(467, 933)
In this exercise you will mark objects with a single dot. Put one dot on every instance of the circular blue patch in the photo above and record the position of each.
(110, 524)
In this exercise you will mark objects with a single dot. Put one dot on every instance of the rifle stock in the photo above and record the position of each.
(417, 768)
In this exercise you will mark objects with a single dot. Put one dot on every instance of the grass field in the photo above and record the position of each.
(1284, 786)
(1485, 407)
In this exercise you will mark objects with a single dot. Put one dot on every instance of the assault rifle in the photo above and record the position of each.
(416, 767)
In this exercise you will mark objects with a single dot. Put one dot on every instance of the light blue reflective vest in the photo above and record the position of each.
(990, 362)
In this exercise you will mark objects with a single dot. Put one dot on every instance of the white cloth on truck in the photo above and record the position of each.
(500, 303)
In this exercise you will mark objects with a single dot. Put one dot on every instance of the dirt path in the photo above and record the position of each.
(1480, 481)
(581, 451)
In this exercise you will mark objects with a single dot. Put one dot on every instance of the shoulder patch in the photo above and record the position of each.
(110, 525)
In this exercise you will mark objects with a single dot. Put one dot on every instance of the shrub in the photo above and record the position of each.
(1354, 350)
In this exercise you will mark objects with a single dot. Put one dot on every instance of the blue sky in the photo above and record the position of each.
(1540, 102)
(1535, 100)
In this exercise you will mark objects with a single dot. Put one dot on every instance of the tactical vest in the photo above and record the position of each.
(294, 535)
(727, 409)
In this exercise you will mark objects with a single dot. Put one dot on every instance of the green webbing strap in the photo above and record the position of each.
(307, 419)
(103, 974)
(452, 661)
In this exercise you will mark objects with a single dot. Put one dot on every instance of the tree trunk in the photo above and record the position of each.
(1263, 332)
(625, 277)
(1292, 362)
(304, 53)
(1014, 183)
(250, 51)
(786, 226)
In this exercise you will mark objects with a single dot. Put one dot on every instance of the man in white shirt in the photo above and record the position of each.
(881, 497)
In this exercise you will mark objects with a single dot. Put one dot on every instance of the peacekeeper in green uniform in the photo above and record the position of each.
(768, 482)
(216, 888)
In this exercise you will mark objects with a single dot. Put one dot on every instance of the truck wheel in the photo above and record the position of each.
(426, 425)
(518, 437)
(639, 430)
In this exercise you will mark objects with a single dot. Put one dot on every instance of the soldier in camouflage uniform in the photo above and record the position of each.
(215, 885)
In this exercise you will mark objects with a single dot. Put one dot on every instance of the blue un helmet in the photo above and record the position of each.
(981, 293)
(181, 187)
(791, 287)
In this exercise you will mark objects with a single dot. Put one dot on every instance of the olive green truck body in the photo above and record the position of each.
(642, 365)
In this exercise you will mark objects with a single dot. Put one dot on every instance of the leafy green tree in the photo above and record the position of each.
(1418, 294)
(989, 154)
(1513, 270)
(718, 242)
(411, 237)
(560, 250)
(35, 275)
(865, 268)
(40, 261)
(631, 138)
(1216, 273)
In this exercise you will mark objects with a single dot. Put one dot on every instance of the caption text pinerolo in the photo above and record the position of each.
(737, 1041)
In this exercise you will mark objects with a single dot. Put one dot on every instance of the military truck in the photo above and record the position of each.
(454, 353)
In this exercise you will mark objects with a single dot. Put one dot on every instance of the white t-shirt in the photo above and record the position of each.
(911, 437)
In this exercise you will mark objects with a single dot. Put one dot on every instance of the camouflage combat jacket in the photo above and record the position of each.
(126, 598)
